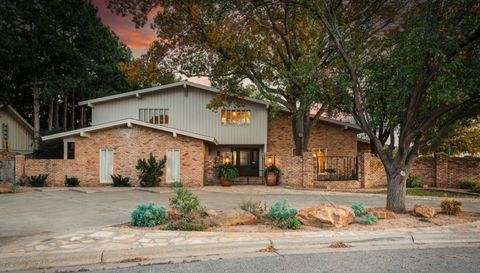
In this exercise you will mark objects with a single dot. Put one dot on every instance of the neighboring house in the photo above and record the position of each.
(173, 121)
(16, 134)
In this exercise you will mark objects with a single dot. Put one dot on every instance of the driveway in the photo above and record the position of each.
(57, 212)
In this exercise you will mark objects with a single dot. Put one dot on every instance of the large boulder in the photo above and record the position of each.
(326, 215)
(424, 211)
(382, 213)
(232, 217)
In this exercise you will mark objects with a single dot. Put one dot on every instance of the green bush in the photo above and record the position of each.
(148, 215)
(414, 182)
(37, 180)
(254, 207)
(71, 181)
(358, 209)
(228, 170)
(176, 184)
(271, 169)
(120, 181)
(468, 184)
(290, 223)
(281, 210)
(186, 205)
(184, 226)
(150, 171)
(368, 219)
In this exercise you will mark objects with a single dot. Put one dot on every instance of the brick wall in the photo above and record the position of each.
(334, 138)
(424, 168)
(371, 172)
(363, 147)
(128, 144)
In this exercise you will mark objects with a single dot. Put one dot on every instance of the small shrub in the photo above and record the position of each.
(414, 182)
(358, 209)
(271, 169)
(468, 184)
(451, 206)
(368, 219)
(228, 170)
(186, 205)
(184, 226)
(71, 181)
(477, 188)
(14, 187)
(281, 210)
(254, 207)
(120, 181)
(148, 215)
(176, 184)
(150, 171)
(290, 223)
(38, 180)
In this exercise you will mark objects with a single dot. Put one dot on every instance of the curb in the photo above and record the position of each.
(189, 251)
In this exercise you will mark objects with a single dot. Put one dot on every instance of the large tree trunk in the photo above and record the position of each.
(82, 117)
(396, 191)
(298, 133)
(36, 117)
(50, 116)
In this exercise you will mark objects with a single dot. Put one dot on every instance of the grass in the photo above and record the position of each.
(422, 192)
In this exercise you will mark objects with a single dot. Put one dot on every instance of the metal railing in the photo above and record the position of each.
(336, 168)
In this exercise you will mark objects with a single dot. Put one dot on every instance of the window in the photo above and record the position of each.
(236, 117)
(322, 160)
(106, 165)
(155, 116)
(5, 143)
(173, 165)
(70, 150)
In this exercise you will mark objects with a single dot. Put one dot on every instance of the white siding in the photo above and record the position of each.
(20, 139)
(188, 111)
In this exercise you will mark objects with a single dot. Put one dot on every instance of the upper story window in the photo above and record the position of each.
(155, 116)
(236, 117)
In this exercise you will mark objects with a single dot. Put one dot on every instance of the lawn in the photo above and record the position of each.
(422, 192)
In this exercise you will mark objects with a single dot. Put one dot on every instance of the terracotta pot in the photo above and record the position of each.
(271, 179)
(225, 182)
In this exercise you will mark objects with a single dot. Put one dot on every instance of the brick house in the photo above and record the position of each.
(173, 121)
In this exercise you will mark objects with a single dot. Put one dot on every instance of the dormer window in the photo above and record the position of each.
(154, 116)
(236, 117)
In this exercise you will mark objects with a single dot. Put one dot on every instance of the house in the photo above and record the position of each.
(173, 121)
(16, 133)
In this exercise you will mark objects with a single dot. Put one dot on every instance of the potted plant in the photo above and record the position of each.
(227, 173)
(271, 174)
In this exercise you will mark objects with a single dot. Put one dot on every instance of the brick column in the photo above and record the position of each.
(441, 170)
(362, 165)
(308, 170)
(19, 166)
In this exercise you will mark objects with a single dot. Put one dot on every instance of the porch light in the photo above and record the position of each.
(226, 160)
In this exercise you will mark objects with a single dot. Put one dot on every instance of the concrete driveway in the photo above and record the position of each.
(64, 211)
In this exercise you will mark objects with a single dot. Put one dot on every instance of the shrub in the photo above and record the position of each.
(150, 171)
(228, 170)
(414, 182)
(186, 205)
(271, 169)
(38, 180)
(184, 226)
(468, 184)
(254, 207)
(451, 206)
(120, 181)
(358, 209)
(71, 181)
(477, 188)
(176, 184)
(281, 210)
(290, 223)
(148, 215)
(368, 219)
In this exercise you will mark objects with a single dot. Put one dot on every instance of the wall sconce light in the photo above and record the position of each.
(227, 160)
(269, 160)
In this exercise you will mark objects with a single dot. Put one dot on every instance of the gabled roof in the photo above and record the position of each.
(140, 92)
(129, 123)
(9, 109)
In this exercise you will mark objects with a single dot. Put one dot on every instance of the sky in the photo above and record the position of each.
(137, 39)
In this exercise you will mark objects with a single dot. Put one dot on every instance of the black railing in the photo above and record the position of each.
(336, 168)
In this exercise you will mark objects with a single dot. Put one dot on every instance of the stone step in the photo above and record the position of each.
(250, 180)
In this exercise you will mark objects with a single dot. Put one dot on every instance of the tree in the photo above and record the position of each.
(418, 77)
(465, 139)
(270, 51)
(150, 69)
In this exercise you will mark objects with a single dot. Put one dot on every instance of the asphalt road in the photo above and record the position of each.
(440, 260)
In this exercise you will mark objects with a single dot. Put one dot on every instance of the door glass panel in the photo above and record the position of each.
(244, 158)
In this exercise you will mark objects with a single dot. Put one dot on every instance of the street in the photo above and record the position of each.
(438, 260)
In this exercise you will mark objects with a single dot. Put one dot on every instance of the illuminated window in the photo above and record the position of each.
(322, 160)
(155, 116)
(236, 117)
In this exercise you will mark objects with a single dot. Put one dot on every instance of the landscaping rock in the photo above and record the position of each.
(326, 215)
(232, 217)
(211, 212)
(382, 213)
(424, 211)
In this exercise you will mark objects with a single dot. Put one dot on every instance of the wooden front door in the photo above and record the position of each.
(246, 161)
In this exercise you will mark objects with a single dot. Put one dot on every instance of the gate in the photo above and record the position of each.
(336, 168)
(7, 171)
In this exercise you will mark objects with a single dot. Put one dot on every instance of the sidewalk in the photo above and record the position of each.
(113, 244)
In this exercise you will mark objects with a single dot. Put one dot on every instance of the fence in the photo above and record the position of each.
(336, 168)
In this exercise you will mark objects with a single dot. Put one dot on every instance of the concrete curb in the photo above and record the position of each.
(188, 251)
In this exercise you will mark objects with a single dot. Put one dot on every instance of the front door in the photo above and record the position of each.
(246, 161)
